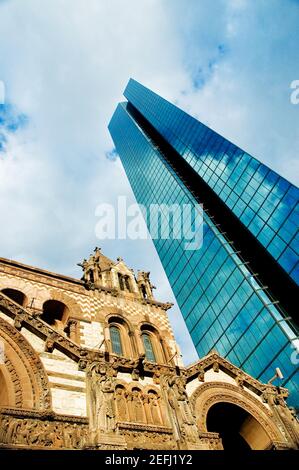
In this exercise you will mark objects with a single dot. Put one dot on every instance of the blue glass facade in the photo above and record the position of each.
(224, 303)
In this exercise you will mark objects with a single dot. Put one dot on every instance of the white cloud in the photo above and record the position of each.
(65, 65)
(246, 96)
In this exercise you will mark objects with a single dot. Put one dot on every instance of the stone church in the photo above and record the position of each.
(93, 364)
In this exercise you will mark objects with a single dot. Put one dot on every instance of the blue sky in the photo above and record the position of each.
(64, 66)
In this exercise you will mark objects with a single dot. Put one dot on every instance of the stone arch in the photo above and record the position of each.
(118, 317)
(149, 388)
(129, 348)
(18, 285)
(16, 295)
(69, 313)
(103, 313)
(22, 373)
(55, 311)
(210, 394)
(131, 385)
(156, 340)
(121, 383)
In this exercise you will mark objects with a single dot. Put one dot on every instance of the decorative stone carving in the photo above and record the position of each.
(147, 437)
(135, 374)
(154, 407)
(91, 269)
(39, 433)
(208, 362)
(201, 375)
(49, 345)
(285, 417)
(136, 408)
(18, 321)
(183, 420)
(22, 352)
(121, 404)
(101, 386)
(269, 395)
(239, 381)
(206, 395)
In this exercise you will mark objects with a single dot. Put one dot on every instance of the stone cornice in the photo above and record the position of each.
(239, 375)
(144, 427)
(42, 415)
(27, 269)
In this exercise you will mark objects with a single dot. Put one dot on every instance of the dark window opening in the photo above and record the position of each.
(15, 295)
(91, 276)
(53, 310)
(143, 291)
(127, 282)
(121, 282)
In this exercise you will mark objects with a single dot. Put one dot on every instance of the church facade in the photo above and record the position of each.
(93, 364)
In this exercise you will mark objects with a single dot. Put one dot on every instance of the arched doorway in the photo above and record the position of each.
(23, 379)
(238, 429)
(227, 409)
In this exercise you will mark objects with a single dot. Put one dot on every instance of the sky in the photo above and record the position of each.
(64, 66)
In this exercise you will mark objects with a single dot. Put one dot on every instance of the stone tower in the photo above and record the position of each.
(93, 364)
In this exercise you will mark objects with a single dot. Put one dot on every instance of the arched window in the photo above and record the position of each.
(15, 295)
(121, 282)
(124, 282)
(116, 340)
(54, 311)
(143, 291)
(127, 283)
(148, 347)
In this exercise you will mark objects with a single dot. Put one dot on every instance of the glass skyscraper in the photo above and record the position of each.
(238, 292)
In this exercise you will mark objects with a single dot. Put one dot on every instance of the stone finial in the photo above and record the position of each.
(91, 268)
(97, 253)
(144, 284)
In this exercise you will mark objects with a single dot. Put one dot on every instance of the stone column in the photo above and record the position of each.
(133, 345)
(139, 342)
(107, 338)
